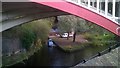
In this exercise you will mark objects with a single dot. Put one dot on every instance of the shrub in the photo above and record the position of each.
(41, 28)
(28, 36)
(97, 39)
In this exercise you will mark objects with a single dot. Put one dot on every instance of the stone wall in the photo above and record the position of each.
(11, 46)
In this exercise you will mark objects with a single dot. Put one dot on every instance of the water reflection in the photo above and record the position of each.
(52, 56)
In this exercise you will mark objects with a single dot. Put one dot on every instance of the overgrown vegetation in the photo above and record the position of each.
(30, 32)
(70, 23)
(99, 36)
(96, 35)
(32, 35)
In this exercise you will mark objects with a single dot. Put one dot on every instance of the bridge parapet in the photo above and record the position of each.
(109, 9)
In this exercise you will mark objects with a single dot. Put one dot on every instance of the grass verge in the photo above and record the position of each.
(73, 48)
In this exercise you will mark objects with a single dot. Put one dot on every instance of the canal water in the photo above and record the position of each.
(52, 56)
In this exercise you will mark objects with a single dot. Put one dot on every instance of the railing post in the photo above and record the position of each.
(88, 3)
(113, 9)
(92, 3)
(106, 7)
(79, 1)
(98, 5)
(85, 2)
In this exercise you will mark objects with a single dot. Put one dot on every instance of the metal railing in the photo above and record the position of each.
(106, 8)
(102, 52)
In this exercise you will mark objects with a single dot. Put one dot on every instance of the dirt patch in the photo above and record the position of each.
(67, 45)
(64, 42)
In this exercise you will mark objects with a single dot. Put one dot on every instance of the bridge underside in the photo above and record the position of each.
(16, 13)
(83, 13)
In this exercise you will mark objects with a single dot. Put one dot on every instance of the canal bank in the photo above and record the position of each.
(110, 59)
(12, 57)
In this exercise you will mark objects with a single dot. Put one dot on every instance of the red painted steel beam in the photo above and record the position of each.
(81, 12)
